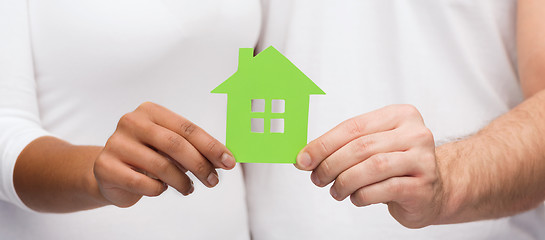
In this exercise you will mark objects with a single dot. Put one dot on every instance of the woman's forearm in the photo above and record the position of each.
(52, 175)
(151, 149)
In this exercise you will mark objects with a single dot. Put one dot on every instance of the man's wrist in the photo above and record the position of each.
(456, 189)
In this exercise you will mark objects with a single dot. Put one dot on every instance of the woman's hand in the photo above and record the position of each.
(385, 156)
(153, 147)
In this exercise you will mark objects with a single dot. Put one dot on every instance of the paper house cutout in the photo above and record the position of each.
(267, 107)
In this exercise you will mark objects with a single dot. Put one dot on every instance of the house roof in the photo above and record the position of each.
(268, 72)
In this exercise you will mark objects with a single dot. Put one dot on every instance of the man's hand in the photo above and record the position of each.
(152, 148)
(385, 156)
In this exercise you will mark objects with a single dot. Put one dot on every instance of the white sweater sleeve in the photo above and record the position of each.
(19, 118)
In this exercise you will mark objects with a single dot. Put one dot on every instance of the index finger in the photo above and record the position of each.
(207, 145)
(384, 119)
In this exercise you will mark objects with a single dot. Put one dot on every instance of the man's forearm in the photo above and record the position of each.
(499, 171)
(54, 176)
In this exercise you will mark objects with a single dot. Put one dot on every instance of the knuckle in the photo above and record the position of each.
(112, 142)
(212, 147)
(187, 128)
(353, 126)
(363, 144)
(424, 134)
(128, 119)
(134, 181)
(408, 110)
(146, 106)
(160, 166)
(174, 143)
(114, 139)
(323, 146)
(340, 182)
(380, 163)
(202, 169)
(132, 121)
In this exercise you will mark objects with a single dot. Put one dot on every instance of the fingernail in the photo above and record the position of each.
(227, 160)
(315, 179)
(191, 189)
(334, 193)
(304, 159)
(212, 179)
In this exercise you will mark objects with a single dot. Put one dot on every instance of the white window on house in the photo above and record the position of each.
(277, 125)
(258, 105)
(278, 106)
(258, 125)
(275, 114)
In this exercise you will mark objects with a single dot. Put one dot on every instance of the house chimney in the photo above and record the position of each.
(245, 55)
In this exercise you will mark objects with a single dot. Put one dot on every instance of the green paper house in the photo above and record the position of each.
(267, 107)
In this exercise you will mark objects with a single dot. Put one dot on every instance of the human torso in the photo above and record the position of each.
(95, 61)
(455, 60)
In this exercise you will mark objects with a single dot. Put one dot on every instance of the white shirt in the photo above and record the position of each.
(455, 60)
(73, 68)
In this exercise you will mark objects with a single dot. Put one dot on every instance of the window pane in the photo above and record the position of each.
(258, 125)
(277, 125)
(278, 106)
(258, 105)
